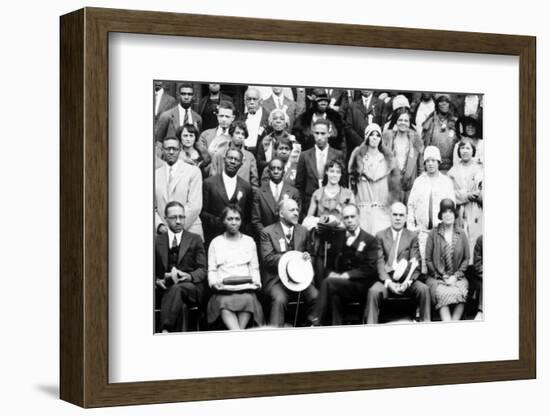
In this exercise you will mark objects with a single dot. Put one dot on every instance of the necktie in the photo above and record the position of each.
(320, 166)
(170, 179)
(430, 211)
(393, 253)
(277, 192)
(174, 241)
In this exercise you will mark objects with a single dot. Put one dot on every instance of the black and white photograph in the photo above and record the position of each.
(281, 206)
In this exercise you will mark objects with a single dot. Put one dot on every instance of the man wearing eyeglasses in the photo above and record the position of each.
(180, 271)
(178, 181)
(181, 114)
(398, 244)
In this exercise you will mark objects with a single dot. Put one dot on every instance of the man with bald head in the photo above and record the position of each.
(275, 240)
(398, 243)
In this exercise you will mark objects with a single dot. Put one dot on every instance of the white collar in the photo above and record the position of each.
(286, 229)
(227, 178)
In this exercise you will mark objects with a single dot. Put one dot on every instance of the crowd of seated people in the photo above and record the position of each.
(265, 205)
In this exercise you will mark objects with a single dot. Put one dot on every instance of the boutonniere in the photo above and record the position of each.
(261, 130)
(361, 246)
(239, 195)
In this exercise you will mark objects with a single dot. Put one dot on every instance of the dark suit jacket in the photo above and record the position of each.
(306, 173)
(214, 200)
(191, 258)
(366, 263)
(202, 103)
(209, 117)
(271, 250)
(167, 102)
(408, 249)
(265, 210)
(357, 119)
(169, 121)
(304, 136)
(291, 109)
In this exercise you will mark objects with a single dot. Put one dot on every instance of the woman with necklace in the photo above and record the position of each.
(233, 275)
(402, 140)
(467, 177)
(370, 165)
(447, 257)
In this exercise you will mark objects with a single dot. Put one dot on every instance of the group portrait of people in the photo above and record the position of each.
(281, 206)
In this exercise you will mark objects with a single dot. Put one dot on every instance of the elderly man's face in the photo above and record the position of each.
(350, 217)
(186, 96)
(290, 212)
(398, 213)
(252, 101)
(276, 170)
(175, 218)
(171, 151)
(232, 162)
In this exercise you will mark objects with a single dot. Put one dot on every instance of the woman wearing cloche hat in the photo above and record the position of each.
(447, 257)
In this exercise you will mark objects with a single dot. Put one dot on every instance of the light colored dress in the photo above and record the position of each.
(469, 178)
(228, 258)
(372, 196)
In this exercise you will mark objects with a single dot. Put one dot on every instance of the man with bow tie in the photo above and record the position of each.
(180, 271)
(265, 208)
(397, 243)
(181, 114)
(221, 190)
(353, 265)
(276, 239)
(256, 119)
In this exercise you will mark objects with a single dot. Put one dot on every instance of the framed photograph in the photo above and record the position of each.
(154, 271)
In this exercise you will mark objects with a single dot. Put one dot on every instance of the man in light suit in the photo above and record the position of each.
(221, 190)
(265, 208)
(162, 101)
(275, 240)
(280, 101)
(216, 139)
(176, 180)
(353, 266)
(181, 114)
(398, 243)
(180, 271)
(312, 162)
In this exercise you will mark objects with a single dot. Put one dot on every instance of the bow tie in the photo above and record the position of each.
(251, 113)
(349, 235)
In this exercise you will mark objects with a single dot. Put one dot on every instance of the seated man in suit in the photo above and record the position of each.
(208, 106)
(176, 180)
(353, 265)
(180, 270)
(397, 244)
(224, 189)
(181, 114)
(217, 138)
(311, 164)
(275, 240)
(265, 208)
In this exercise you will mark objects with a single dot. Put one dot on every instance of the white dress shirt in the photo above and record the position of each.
(230, 184)
(253, 124)
(396, 235)
(182, 112)
(287, 231)
(158, 97)
(276, 189)
(321, 157)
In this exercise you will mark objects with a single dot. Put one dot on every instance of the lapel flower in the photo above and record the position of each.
(361, 246)
(239, 195)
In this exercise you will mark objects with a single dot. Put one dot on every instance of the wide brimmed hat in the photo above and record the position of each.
(446, 204)
(295, 272)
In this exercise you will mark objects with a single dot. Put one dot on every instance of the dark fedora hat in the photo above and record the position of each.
(446, 204)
